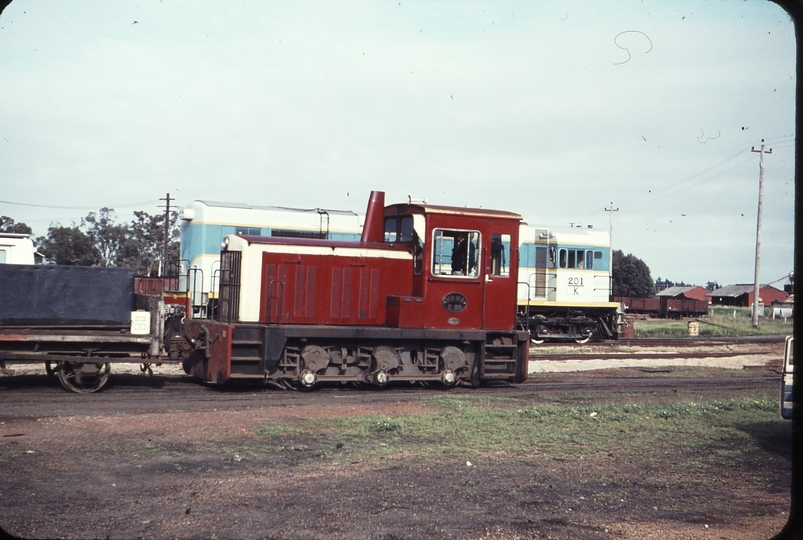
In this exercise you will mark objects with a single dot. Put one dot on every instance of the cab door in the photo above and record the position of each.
(454, 287)
(500, 268)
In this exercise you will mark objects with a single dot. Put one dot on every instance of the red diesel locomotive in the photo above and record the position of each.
(427, 295)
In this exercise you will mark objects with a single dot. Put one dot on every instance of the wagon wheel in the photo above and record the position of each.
(83, 377)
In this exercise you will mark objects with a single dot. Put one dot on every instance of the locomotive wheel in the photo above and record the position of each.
(448, 379)
(380, 378)
(582, 340)
(308, 379)
(83, 377)
(537, 341)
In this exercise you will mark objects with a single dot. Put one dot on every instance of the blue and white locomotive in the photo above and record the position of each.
(565, 284)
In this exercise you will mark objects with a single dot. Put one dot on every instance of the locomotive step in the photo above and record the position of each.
(247, 376)
(496, 375)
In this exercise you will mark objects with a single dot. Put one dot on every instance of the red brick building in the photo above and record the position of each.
(742, 295)
(688, 292)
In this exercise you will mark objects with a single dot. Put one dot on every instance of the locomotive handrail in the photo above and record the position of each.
(527, 308)
(171, 275)
(214, 273)
(547, 288)
(195, 288)
(217, 314)
(607, 278)
(280, 300)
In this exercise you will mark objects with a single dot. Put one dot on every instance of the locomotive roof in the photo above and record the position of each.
(320, 242)
(406, 208)
(243, 206)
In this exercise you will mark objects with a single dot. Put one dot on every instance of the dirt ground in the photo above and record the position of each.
(70, 470)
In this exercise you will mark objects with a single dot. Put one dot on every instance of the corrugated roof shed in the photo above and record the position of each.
(675, 291)
(732, 290)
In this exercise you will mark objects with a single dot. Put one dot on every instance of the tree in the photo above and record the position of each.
(68, 246)
(108, 237)
(631, 276)
(7, 225)
(144, 246)
(712, 285)
(660, 284)
(101, 240)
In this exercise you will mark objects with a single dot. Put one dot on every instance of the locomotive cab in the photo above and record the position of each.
(464, 265)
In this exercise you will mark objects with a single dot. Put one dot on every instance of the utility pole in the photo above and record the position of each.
(167, 200)
(611, 210)
(756, 286)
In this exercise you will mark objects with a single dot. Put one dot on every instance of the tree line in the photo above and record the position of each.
(100, 240)
(631, 277)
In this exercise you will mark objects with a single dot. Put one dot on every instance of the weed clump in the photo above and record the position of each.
(385, 426)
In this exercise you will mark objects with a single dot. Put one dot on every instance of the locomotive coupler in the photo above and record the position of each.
(199, 341)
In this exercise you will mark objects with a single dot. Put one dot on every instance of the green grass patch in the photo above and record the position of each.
(470, 428)
(275, 429)
(8, 454)
(712, 326)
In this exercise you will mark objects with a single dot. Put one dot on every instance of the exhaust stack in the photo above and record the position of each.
(374, 228)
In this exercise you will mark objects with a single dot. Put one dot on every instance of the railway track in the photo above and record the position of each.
(697, 342)
(134, 393)
(648, 384)
(641, 355)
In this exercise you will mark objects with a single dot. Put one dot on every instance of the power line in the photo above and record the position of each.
(129, 205)
(779, 279)
(671, 188)
(663, 193)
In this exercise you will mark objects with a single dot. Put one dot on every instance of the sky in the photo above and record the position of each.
(557, 110)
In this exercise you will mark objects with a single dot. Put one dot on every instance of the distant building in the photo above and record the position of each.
(783, 310)
(742, 295)
(689, 292)
(16, 248)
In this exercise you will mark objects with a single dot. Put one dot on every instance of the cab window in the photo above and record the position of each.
(500, 255)
(399, 229)
(391, 225)
(406, 229)
(578, 258)
(454, 253)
